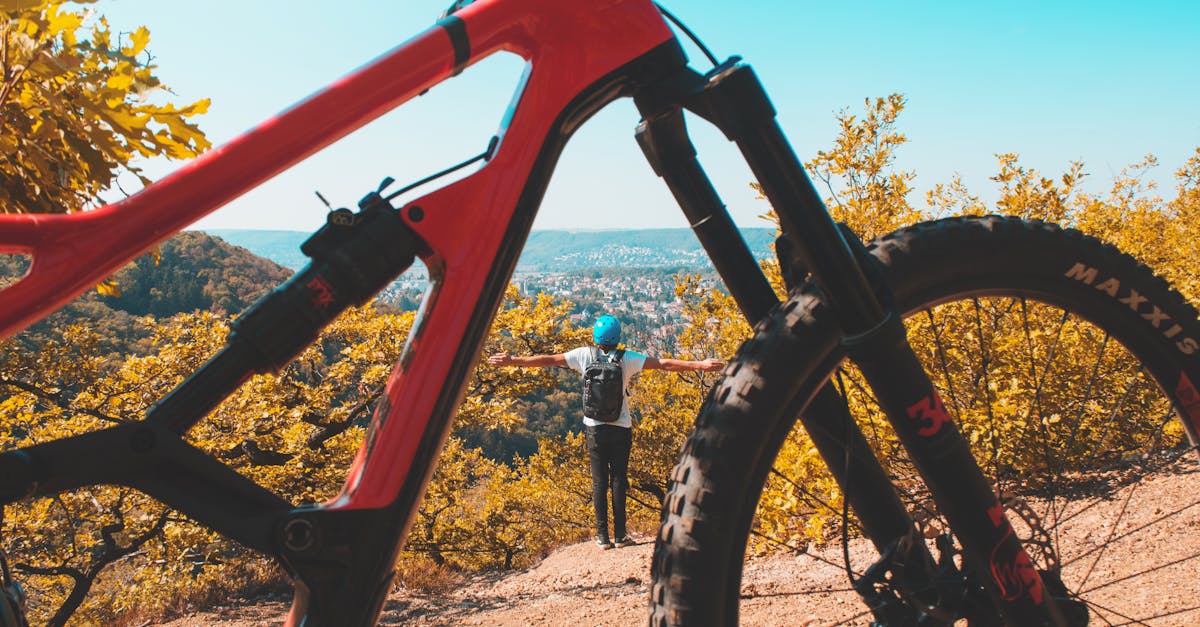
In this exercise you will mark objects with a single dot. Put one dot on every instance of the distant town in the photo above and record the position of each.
(643, 298)
(629, 274)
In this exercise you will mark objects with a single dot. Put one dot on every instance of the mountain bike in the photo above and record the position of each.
(845, 336)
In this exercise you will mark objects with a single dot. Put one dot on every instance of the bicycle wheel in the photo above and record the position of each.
(1070, 368)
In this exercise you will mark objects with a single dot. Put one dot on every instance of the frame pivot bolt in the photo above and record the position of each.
(299, 535)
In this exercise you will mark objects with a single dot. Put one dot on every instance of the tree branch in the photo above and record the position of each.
(330, 430)
(115, 552)
(57, 400)
(8, 84)
(67, 571)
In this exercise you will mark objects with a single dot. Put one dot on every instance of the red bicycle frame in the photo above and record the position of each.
(580, 55)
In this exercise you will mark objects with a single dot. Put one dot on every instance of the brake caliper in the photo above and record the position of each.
(1038, 544)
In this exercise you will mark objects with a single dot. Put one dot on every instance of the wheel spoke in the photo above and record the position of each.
(1036, 401)
(805, 492)
(1150, 469)
(984, 367)
(1134, 621)
(1112, 415)
(1096, 608)
(1112, 532)
(1171, 459)
(1074, 435)
(1139, 573)
(1185, 610)
(1100, 616)
(941, 353)
(1131, 532)
(869, 395)
(800, 551)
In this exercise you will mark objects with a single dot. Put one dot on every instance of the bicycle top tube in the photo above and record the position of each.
(568, 44)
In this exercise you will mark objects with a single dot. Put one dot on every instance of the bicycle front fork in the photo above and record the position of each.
(731, 97)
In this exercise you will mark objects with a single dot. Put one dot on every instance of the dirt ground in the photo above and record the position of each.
(582, 585)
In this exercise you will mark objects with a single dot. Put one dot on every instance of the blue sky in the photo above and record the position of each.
(1102, 82)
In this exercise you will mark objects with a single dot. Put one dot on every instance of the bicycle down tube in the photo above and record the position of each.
(581, 55)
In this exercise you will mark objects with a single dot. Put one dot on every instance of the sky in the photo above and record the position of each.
(1101, 82)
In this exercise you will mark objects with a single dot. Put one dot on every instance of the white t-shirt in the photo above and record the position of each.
(631, 364)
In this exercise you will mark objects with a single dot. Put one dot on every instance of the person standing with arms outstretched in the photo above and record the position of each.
(606, 371)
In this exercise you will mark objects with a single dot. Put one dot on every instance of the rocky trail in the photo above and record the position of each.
(582, 585)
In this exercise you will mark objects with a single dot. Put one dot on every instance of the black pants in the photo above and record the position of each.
(608, 449)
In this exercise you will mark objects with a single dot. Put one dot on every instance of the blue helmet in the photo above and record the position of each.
(607, 331)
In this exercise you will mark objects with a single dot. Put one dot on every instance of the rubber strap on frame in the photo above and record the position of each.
(457, 30)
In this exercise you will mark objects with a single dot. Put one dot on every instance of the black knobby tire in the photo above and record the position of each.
(716, 486)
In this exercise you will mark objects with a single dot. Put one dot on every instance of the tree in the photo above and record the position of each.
(667, 402)
(1186, 209)
(481, 513)
(62, 544)
(524, 325)
(296, 431)
(864, 190)
(1136, 220)
(75, 109)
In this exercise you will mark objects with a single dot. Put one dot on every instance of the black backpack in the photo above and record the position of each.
(603, 386)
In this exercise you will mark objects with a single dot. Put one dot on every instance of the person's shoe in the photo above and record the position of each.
(624, 541)
(602, 542)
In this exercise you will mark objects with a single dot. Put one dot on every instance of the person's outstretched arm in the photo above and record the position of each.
(682, 365)
(534, 361)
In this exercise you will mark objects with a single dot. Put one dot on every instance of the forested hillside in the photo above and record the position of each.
(190, 272)
(194, 271)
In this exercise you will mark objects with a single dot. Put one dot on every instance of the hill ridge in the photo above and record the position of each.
(551, 250)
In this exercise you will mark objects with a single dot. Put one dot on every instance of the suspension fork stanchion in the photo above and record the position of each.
(946, 463)
(876, 340)
(735, 102)
(870, 493)
(665, 142)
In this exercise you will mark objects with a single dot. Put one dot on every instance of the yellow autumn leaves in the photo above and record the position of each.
(74, 109)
